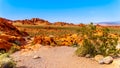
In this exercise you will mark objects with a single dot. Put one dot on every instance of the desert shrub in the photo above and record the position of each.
(95, 43)
(2, 51)
(14, 48)
(6, 61)
(86, 48)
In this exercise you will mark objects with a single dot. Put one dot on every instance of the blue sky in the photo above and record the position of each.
(72, 11)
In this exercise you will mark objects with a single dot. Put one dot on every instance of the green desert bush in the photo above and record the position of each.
(2, 51)
(93, 45)
(86, 48)
(6, 61)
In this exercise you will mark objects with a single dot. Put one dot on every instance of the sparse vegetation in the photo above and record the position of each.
(101, 40)
(90, 40)
(6, 61)
(97, 41)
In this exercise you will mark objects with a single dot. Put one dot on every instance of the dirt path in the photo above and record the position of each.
(54, 57)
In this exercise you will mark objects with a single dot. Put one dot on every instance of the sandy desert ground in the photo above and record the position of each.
(54, 57)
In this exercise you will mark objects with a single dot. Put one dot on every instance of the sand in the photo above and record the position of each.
(54, 57)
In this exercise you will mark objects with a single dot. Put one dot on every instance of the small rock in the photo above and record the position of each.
(36, 57)
(108, 60)
(98, 58)
(87, 56)
(101, 61)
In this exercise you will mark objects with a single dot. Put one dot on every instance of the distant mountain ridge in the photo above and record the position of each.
(110, 23)
(38, 21)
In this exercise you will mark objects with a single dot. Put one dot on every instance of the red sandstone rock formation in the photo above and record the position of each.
(33, 21)
(6, 27)
(10, 35)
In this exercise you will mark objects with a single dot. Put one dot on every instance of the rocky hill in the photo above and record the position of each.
(10, 35)
(6, 27)
(38, 21)
(33, 21)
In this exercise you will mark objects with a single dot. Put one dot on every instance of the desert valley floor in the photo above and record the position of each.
(55, 57)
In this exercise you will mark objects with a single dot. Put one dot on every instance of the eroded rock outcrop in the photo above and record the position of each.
(6, 27)
(33, 21)
(10, 35)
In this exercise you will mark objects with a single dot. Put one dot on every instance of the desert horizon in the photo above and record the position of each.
(59, 33)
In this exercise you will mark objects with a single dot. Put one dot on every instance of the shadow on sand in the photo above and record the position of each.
(21, 67)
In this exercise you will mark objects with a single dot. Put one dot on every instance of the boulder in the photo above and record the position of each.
(98, 58)
(101, 61)
(108, 60)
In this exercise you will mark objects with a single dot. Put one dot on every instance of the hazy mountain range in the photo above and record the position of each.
(109, 23)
